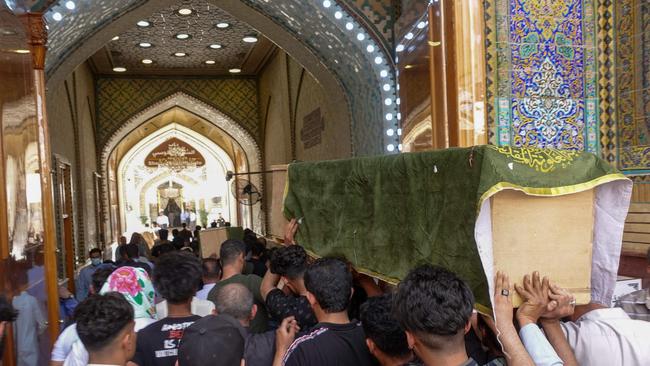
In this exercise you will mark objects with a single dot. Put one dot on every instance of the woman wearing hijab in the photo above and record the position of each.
(136, 287)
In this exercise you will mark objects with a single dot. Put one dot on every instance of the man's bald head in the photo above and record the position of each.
(235, 300)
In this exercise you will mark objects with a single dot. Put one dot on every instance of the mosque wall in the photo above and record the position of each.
(292, 100)
(71, 113)
(119, 99)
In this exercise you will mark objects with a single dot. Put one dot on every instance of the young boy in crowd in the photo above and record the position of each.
(176, 277)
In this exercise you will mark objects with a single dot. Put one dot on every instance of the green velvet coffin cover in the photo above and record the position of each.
(387, 214)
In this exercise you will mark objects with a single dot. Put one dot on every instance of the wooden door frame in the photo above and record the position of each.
(64, 189)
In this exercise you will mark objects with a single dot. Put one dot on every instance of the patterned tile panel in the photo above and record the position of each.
(120, 99)
(541, 70)
(632, 59)
(380, 14)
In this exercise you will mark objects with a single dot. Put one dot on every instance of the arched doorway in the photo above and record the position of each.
(342, 53)
(223, 144)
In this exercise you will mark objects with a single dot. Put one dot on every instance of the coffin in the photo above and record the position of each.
(475, 211)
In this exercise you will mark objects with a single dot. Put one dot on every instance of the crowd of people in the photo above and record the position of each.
(163, 305)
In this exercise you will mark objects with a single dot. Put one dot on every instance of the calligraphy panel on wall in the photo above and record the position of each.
(541, 71)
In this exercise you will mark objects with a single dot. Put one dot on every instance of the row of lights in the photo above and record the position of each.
(388, 88)
(184, 36)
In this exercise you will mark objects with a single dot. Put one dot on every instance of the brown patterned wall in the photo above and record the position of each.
(119, 99)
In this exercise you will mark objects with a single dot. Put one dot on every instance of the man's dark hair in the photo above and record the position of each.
(330, 281)
(100, 276)
(211, 268)
(290, 261)
(132, 251)
(234, 299)
(213, 224)
(163, 234)
(175, 233)
(434, 304)
(382, 328)
(258, 249)
(198, 228)
(184, 225)
(230, 250)
(93, 251)
(7, 311)
(101, 318)
(177, 276)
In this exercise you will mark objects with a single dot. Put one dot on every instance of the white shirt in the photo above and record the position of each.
(203, 293)
(28, 325)
(69, 348)
(162, 220)
(538, 347)
(199, 307)
(608, 337)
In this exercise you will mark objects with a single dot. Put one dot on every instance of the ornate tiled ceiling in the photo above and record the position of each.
(199, 32)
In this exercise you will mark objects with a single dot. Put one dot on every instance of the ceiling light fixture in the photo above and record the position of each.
(57, 16)
(234, 71)
(119, 69)
(223, 25)
(147, 61)
(210, 62)
(143, 24)
(70, 5)
(184, 11)
(145, 44)
(182, 36)
(215, 46)
(115, 38)
(250, 38)
(180, 54)
(21, 51)
(8, 32)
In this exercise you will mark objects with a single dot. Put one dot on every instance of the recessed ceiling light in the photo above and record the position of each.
(210, 62)
(7, 32)
(215, 46)
(250, 39)
(70, 5)
(119, 69)
(115, 38)
(57, 16)
(180, 54)
(143, 24)
(182, 36)
(21, 51)
(234, 71)
(184, 11)
(145, 44)
(147, 61)
(223, 25)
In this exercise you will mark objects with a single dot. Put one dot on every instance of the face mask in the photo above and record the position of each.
(96, 261)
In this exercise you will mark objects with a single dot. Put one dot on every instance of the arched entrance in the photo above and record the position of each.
(128, 193)
(343, 54)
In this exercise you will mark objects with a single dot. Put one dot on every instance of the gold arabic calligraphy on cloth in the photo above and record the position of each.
(542, 160)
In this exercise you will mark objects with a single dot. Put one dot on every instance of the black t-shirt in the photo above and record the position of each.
(157, 344)
(280, 305)
(331, 344)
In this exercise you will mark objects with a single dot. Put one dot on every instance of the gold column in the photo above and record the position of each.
(35, 29)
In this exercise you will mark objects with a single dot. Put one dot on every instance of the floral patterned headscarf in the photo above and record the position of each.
(135, 285)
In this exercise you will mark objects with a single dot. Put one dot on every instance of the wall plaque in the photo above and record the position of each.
(312, 129)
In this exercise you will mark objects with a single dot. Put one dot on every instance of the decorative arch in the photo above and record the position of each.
(207, 112)
(341, 52)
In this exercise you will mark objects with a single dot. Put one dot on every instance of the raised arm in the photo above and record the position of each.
(564, 304)
(506, 333)
(536, 302)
